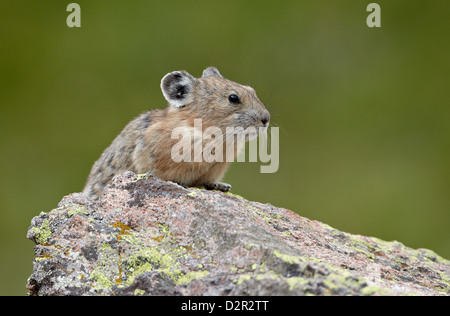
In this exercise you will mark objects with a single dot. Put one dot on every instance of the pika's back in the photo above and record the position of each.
(146, 143)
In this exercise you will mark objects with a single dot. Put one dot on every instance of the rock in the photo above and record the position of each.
(151, 237)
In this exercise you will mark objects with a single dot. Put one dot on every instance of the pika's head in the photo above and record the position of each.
(217, 100)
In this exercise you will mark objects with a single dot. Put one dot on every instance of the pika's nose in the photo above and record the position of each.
(265, 118)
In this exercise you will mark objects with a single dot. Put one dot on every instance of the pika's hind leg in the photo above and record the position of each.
(221, 186)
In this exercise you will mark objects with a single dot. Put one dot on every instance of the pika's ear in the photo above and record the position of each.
(211, 72)
(177, 86)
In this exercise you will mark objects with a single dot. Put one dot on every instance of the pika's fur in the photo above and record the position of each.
(145, 144)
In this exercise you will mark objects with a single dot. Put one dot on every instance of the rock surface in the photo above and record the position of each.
(150, 237)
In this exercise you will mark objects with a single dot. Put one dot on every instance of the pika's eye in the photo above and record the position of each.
(234, 99)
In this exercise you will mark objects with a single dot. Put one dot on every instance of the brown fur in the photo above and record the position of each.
(145, 144)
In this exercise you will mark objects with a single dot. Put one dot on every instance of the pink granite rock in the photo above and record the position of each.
(151, 237)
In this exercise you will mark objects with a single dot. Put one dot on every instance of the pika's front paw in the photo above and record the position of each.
(224, 187)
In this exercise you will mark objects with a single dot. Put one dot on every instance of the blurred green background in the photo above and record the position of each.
(363, 113)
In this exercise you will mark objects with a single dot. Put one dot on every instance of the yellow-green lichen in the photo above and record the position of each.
(235, 195)
(262, 267)
(44, 257)
(375, 290)
(43, 232)
(139, 292)
(137, 270)
(105, 246)
(142, 257)
(77, 209)
(243, 278)
(145, 259)
(335, 279)
(250, 246)
(151, 254)
(107, 269)
(141, 177)
(296, 282)
(129, 238)
(433, 257)
(98, 276)
(265, 217)
(188, 277)
(362, 247)
(270, 275)
(165, 229)
(194, 192)
(287, 258)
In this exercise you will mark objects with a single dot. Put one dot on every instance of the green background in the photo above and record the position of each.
(363, 113)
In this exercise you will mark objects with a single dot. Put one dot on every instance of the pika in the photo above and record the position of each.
(145, 145)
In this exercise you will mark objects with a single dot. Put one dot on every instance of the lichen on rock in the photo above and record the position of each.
(146, 236)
